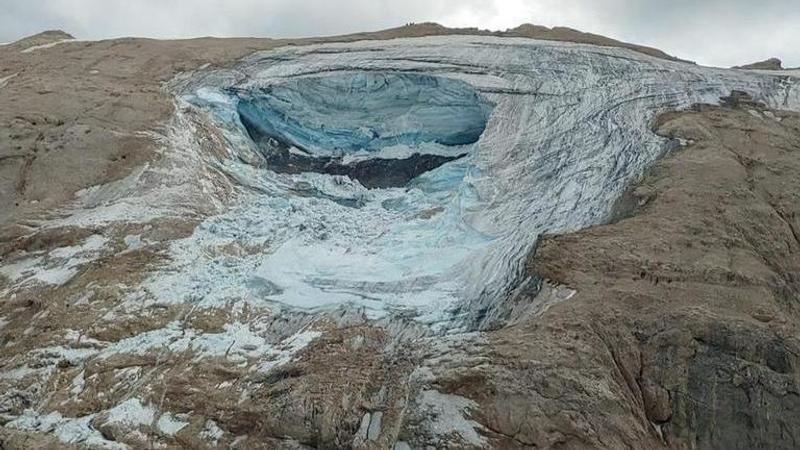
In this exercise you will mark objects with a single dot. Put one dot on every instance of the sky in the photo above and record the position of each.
(710, 32)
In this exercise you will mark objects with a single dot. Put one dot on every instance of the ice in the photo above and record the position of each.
(212, 432)
(567, 128)
(78, 383)
(289, 347)
(131, 412)
(364, 111)
(48, 45)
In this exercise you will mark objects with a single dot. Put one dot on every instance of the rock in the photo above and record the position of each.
(371, 173)
(769, 64)
(656, 402)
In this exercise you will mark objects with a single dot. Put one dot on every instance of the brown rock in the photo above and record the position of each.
(768, 64)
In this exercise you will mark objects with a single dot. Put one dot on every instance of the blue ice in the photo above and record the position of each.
(345, 113)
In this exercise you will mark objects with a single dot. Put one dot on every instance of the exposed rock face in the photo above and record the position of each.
(690, 301)
(768, 64)
(372, 173)
(172, 305)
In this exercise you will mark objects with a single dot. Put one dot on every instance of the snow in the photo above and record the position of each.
(55, 267)
(94, 242)
(235, 342)
(18, 373)
(20, 269)
(447, 416)
(288, 348)
(130, 413)
(67, 430)
(133, 241)
(238, 343)
(78, 383)
(56, 276)
(169, 425)
(48, 45)
(73, 355)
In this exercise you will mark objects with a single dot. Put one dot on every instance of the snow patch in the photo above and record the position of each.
(288, 348)
(133, 241)
(55, 267)
(48, 45)
(211, 432)
(18, 373)
(169, 425)
(68, 430)
(238, 343)
(447, 416)
(130, 414)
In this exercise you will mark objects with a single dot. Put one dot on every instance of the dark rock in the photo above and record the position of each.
(371, 173)
(656, 402)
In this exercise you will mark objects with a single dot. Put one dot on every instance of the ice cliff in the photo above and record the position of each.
(365, 111)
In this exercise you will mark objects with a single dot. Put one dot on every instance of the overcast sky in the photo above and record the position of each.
(711, 32)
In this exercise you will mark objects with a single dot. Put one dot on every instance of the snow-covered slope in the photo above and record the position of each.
(567, 127)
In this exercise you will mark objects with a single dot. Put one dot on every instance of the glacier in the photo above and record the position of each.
(539, 136)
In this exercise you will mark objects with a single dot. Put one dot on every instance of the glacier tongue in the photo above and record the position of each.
(568, 129)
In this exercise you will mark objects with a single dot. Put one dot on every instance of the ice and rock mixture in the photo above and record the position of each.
(545, 137)
(352, 209)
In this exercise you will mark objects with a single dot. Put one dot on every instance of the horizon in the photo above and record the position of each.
(709, 34)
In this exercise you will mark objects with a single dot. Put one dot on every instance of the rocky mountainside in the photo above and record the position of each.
(768, 64)
(415, 238)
